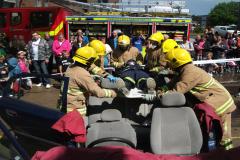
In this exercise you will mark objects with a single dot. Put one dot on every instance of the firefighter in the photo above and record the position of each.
(124, 52)
(100, 50)
(202, 86)
(127, 60)
(135, 76)
(154, 60)
(81, 84)
(97, 67)
(168, 45)
(154, 56)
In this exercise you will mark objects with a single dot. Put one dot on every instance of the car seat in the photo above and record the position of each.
(175, 128)
(112, 129)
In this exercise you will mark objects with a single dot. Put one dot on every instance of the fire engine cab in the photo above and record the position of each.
(17, 22)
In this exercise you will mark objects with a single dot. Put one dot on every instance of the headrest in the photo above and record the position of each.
(173, 99)
(109, 115)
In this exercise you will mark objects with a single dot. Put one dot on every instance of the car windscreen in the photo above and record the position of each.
(2, 20)
(230, 28)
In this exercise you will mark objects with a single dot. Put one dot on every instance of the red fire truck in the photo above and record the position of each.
(104, 25)
(17, 22)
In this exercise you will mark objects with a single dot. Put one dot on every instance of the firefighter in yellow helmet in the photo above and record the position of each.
(100, 49)
(154, 56)
(205, 88)
(168, 45)
(81, 84)
(124, 52)
(97, 68)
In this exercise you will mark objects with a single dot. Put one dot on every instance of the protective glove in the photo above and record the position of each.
(112, 78)
(149, 97)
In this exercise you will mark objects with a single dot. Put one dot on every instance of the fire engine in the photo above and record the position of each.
(16, 22)
(104, 25)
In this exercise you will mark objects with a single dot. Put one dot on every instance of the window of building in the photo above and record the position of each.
(2, 20)
(41, 19)
(16, 18)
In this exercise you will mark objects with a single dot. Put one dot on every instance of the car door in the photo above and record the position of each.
(32, 120)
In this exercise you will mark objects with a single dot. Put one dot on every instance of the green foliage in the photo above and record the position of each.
(224, 14)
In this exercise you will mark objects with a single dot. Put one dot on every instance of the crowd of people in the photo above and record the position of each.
(155, 65)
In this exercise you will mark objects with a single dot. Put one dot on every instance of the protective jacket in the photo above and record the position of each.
(119, 58)
(154, 60)
(81, 86)
(205, 88)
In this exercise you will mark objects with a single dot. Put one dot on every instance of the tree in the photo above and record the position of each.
(224, 14)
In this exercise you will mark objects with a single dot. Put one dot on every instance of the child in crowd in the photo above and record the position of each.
(211, 68)
(223, 64)
(24, 67)
(66, 60)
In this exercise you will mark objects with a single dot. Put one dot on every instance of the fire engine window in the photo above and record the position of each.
(40, 19)
(2, 20)
(16, 18)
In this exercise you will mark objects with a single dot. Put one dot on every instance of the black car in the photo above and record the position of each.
(28, 118)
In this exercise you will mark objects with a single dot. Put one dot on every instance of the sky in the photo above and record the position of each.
(203, 7)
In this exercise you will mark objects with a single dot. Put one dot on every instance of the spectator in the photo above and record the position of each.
(38, 55)
(14, 45)
(14, 70)
(212, 67)
(85, 38)
(65, 62)
(13, 67)
(223, 64)
(199, 46)
(49, 41)
(21, 43)
(216, 48)
(3, 65)
(113, 40)
(166, 36)
(138, 41)
(24, 67)
(78, 44)
(188, 46)
(2, 49)
(4, 41)
(72, 38)
(108, 53)
(60, 46)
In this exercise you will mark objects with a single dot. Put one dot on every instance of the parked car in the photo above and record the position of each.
(224, 30)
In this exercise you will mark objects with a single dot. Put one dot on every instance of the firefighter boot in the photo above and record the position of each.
(151, 85)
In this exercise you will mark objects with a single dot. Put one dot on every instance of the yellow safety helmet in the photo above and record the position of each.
(168, 45)
(99, 47)
(158, 37)
(123, 40)
(178, 57)
(85, 55)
